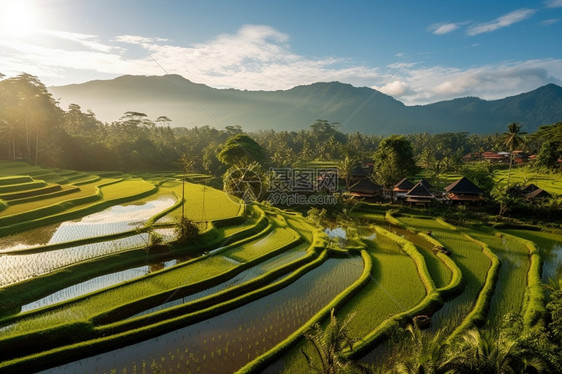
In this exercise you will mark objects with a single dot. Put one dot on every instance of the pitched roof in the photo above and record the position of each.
(365, 186)
(426, 184)
(404, 184)
(529, 188)
(463, 185)
(359, 171)
(419, 190)
(539, 193)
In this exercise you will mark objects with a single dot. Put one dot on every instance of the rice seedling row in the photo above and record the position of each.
(394, 287)
(512, 280)
(114, 220)
(439, 272)
(469, 258)
(264, 245)
(96, 284)
(85, 190)
(176, 277)
(243, 277)
(228, 341)
(550, 246)
(204, 203)
(17, 268)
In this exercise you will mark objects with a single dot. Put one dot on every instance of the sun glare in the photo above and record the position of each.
(17, 17)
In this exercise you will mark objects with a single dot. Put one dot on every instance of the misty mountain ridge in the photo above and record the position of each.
(359, 109)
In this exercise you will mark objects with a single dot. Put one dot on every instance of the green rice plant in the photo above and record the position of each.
(262, 268)
(87, 306)
(390, 218)
(271, 318)
(413, 253)
(119, 219)
(17, 268)
(77, 206)
(456, 281)
(86, 190)
(247, 252)
(512, 279)
(547, 181)
(203, 203)
(290, 343)
(181, 275)
(18, 187)
(534, 304)
(86, 180)
(394, 284)
(15, 179)
(477, 316)
(550, 247)
(469, 258)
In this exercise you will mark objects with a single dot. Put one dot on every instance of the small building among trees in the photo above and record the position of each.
(402, 187)
(366, 188)
(419, 195)
(463, 191)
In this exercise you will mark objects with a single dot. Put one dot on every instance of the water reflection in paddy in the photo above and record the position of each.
(96, 283)
(228, 341)
(117, 219)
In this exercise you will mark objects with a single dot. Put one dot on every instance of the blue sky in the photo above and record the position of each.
(416, 51)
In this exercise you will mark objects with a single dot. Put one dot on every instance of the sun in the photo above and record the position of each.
(17, 17)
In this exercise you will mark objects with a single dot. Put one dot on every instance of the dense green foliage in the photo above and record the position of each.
(393, 160)
(33, 128)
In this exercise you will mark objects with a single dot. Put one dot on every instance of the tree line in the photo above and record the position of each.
(35, 129)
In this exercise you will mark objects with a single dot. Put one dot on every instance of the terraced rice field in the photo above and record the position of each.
(78, 276)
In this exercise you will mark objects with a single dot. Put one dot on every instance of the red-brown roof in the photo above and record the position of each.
(464, 197)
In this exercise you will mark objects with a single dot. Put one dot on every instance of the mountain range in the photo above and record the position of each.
(359, 109)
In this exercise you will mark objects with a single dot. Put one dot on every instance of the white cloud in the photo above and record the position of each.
(135, 39)
(395, 88)
(503, 21)
(553, 3)
(425, 85)
(551, 21)
(260, 58)
(89, 41)
(443, 28)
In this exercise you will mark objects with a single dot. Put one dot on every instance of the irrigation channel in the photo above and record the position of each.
(228, 341)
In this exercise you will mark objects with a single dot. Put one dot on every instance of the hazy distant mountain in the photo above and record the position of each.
(356, 108)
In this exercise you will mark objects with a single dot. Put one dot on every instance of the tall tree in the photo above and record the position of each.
(345, 169)
(241, 150)
(549, 154)
(9, 130)
(513, 139)
(393, 160)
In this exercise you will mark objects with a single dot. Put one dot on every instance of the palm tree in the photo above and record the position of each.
(345, 168)
(476, 353)
(426, 356)
(329, 346)
(513, 140)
